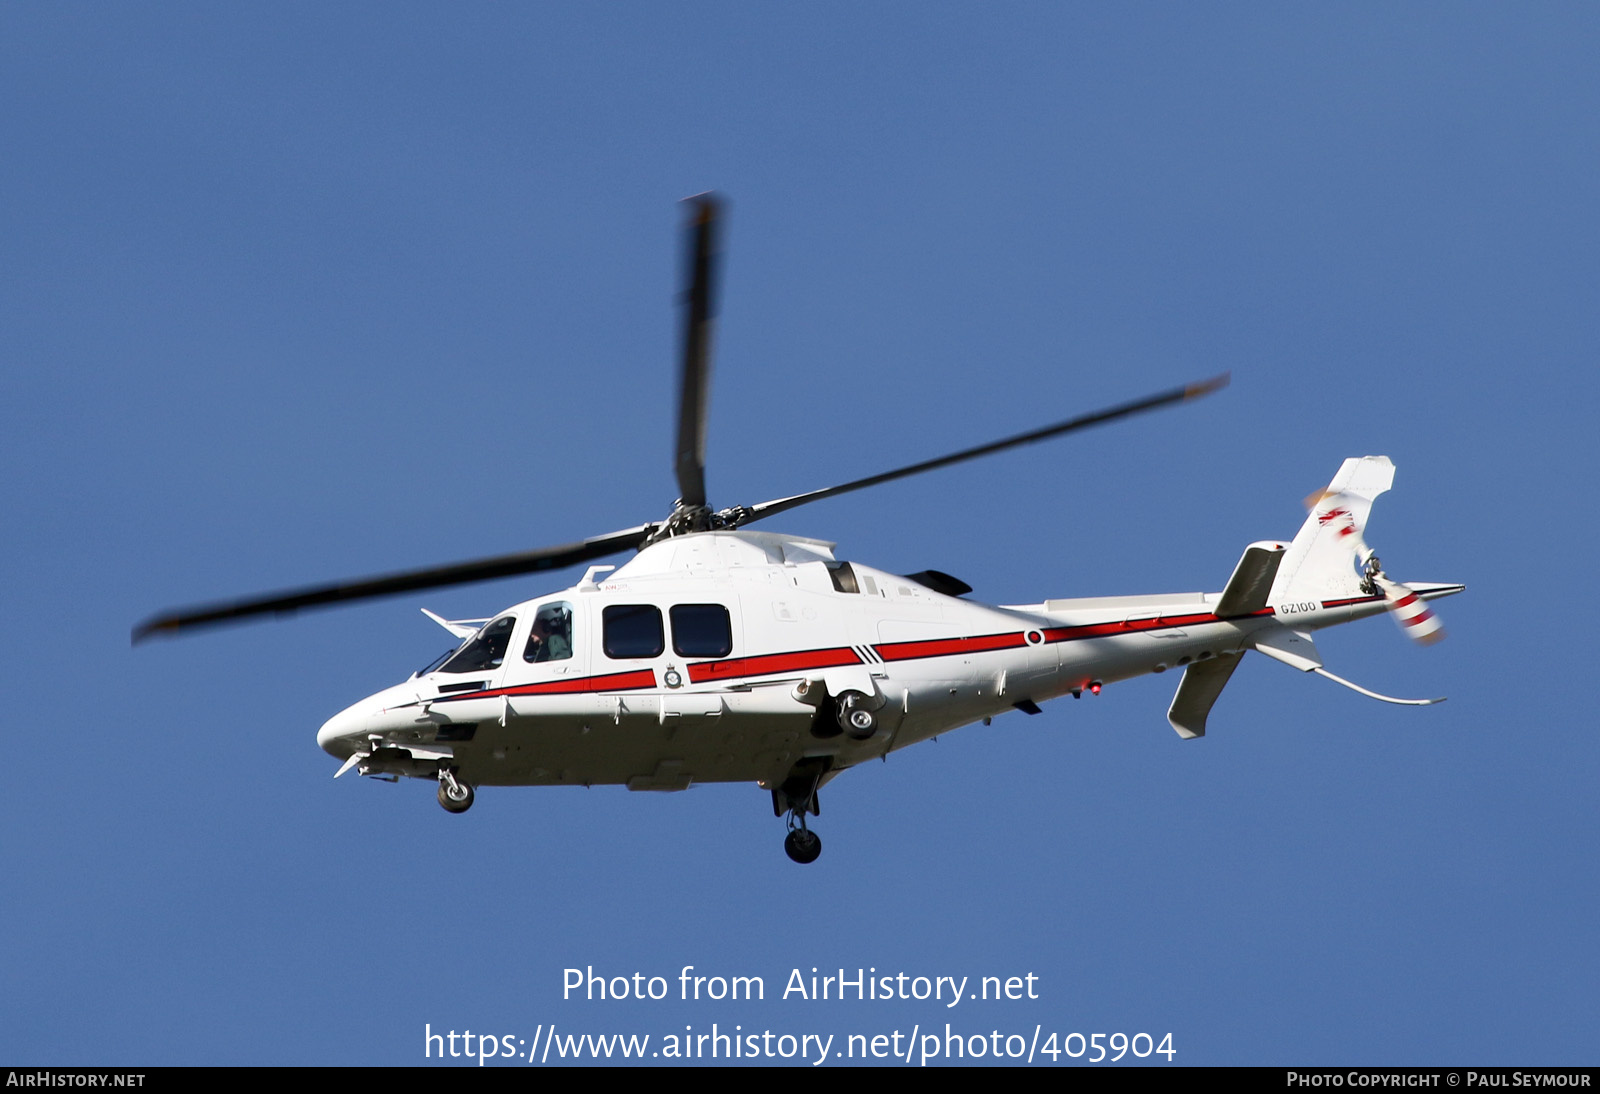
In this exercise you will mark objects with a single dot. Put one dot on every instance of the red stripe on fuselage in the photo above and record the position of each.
(1135, 626)
(776, 663)
(945, 647)
(771, 663)
(615, 681)
(1350, 600)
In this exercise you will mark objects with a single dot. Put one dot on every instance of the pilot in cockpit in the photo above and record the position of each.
(551, 637)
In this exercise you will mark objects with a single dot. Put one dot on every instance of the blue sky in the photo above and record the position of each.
(294, 293)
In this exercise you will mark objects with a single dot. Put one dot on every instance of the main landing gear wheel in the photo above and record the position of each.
(803, 845)
(855, 719)
(455, 796)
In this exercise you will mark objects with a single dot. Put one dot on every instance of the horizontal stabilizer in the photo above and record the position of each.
(1202, 682)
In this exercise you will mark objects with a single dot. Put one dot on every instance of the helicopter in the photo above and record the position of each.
(720, 653)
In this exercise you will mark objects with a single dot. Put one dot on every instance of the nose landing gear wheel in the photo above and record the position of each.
(456, 797)
(803, 845)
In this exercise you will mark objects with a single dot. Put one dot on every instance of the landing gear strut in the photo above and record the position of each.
(798, 796)
(454, 795)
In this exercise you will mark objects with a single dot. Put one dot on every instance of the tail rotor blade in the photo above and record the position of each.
(1411, 613)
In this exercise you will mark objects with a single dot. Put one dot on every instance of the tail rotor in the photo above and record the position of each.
(1410, 612)
(1416, 620)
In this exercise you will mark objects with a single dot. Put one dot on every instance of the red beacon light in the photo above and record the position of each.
(1095, 686)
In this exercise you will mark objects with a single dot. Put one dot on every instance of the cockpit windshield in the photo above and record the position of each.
(436, 662)
(486, 650)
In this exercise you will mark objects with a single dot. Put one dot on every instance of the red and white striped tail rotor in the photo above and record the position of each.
(1415, 619)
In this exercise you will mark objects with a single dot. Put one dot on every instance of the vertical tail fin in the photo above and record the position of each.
(1322, 562)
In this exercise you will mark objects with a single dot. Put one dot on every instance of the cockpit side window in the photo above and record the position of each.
(486, 650)
(550, 639)
(633, 630)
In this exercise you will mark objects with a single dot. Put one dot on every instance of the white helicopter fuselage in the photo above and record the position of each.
(652, 690)
(719, 654)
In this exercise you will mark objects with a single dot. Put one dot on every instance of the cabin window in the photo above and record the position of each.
(633, 630)
(550, 638)
(701, 630)
(486, 649)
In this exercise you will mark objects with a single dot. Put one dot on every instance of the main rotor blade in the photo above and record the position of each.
(1110, 414)
(284, 603)
(694, 377)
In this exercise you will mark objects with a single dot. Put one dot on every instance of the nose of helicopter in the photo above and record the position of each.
(340, 734)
